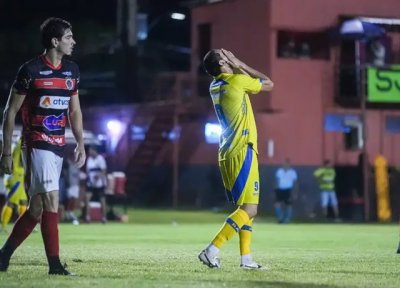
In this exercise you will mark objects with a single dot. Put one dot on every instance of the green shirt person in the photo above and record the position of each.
(325, 176)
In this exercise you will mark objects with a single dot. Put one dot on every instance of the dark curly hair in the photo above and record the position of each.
(53, 28)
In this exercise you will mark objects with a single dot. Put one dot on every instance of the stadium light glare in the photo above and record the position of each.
(212, 132)
(114, 127)
(178, 16)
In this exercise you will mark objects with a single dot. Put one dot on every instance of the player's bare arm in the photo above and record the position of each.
(75, 120)
(14, 103)
(241, 66)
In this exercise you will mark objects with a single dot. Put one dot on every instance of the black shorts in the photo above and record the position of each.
(283, 195)
(97, 193)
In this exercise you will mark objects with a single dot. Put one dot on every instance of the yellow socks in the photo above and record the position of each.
(21, 209)
(245, 237)
(233, 224)
(6, 214)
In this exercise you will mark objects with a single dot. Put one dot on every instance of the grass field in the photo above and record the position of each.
(159, 249)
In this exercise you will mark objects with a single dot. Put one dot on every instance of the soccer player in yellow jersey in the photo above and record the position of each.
(16, 197)
(230, 89)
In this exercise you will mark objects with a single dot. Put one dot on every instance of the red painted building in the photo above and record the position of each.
(292, 116)
(307, 117)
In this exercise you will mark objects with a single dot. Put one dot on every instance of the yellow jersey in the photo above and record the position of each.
(230, 96)
(16, 181)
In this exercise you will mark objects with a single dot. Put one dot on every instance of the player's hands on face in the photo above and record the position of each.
(232, 59)
(6, 164)
(226, 59)
(79, 156)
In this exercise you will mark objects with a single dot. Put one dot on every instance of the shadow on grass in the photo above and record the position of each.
(275, 284)
(355, 272)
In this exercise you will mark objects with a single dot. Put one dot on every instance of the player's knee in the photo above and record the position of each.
(251, 210)
(35, 212)
(253, 213)
(50, 201)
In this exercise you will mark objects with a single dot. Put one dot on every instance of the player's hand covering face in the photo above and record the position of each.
(230, 58)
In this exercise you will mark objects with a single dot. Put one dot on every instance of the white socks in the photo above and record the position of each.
(212, 250)
(246, 259)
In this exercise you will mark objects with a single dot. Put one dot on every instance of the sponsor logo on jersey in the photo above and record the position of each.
(47, 72)
(59, 140)
(55, 83)
(54, 102)
(46, 102)
(69, 83)
(53, 122)
(67, 73)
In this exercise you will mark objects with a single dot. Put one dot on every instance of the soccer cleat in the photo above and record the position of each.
(4, 262)
(61, 270)
(210, 261)
(251, 266)
(398, 249)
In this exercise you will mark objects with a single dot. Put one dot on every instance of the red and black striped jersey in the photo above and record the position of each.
(47, 91)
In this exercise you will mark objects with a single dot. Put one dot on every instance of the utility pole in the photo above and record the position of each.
(126, 53)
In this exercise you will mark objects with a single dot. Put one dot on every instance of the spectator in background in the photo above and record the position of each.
(326, 178)
(289, 49)
(286, 184)
(96, 170)
(305, 51)
(377, 53)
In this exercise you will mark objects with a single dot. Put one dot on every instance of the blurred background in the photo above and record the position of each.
(146, 106)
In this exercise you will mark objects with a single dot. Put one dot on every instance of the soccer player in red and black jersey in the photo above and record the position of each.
(46, 93)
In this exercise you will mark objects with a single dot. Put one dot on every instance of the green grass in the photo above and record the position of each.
(159, 249)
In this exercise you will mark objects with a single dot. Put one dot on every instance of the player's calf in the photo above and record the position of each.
(4, 261)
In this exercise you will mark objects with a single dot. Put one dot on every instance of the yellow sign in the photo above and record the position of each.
(382, 189)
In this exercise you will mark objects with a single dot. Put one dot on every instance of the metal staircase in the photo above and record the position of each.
(145, 155)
